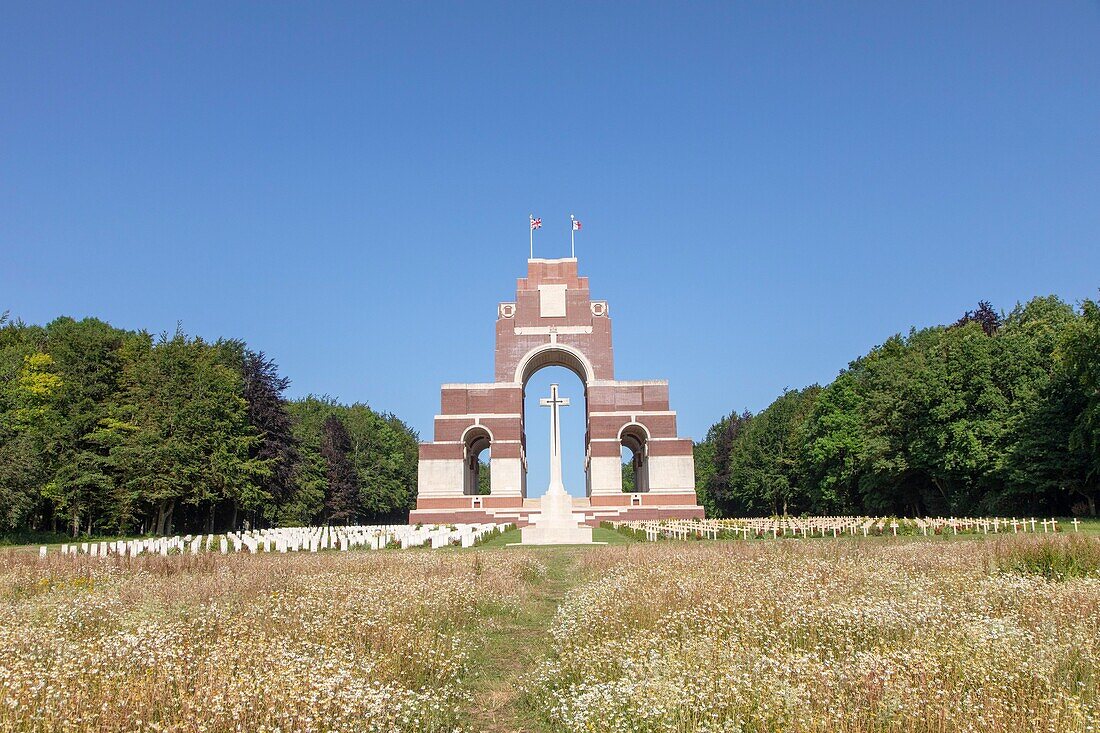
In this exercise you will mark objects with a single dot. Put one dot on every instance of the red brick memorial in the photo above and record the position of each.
(554, 322)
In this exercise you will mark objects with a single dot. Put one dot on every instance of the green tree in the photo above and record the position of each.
(262, 388)
(181, 430)
(838, 446)
(765, 462)
(109, 430)
(628, 477)
(383, 450)
(87, 355)
(712, 465)
(1034, 461)
(28, 421)
(1079, 358)
(484, 485)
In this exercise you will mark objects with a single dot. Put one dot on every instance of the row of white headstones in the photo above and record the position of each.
(837, 527)
(292, 539)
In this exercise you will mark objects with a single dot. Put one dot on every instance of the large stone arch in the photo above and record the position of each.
(545, 358)
(554, 354)
(554, 322)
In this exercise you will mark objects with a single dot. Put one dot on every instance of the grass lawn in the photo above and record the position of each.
(599, 534)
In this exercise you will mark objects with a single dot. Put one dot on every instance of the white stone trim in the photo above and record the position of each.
(549, 330)
(505, 477)
(605, 473)
(629, 383)
(550, 261)
(438, 478)
(617, 440)
(480, 385)
(629, 413)
(479, 416)
(672, 474)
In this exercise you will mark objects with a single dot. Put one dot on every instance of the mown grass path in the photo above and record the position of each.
(515, 640)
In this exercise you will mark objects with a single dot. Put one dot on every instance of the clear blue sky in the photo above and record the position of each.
(767, 190)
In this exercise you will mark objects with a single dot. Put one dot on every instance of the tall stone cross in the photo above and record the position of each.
(554, 403)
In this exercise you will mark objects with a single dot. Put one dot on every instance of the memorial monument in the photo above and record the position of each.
(553, 321)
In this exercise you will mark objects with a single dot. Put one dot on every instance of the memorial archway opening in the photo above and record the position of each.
(573, 427)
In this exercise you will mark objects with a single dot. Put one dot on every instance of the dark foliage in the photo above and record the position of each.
(724, 434)
(341, 495)
(262, 388)
(984, 316)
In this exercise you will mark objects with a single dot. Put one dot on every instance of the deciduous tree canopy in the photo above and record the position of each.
(104, 430)
(990, 414)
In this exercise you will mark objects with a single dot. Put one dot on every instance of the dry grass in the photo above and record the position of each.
(335, 641)
(846, 636)
(1055, 557)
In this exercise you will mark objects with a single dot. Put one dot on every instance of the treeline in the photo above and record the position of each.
(105, 431)
(992, 414)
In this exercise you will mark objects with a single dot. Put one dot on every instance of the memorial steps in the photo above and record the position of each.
(632, 508)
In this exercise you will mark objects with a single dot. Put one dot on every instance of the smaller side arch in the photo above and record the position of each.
(475, 440)
(635, 437)
(475, 428)
(634, 427)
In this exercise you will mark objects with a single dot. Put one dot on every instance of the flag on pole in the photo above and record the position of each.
(576, 225)
(535, 224)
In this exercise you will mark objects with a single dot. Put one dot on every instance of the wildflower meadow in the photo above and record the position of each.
(851, 634)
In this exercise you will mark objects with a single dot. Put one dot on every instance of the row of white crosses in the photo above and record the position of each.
(293, 539)
(775, 528)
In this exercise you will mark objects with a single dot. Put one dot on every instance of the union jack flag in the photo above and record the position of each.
(536, 223)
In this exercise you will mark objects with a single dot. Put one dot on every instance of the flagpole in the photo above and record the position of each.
(572, 237)
(531, 226)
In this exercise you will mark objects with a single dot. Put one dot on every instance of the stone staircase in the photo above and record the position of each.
(592, 515)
